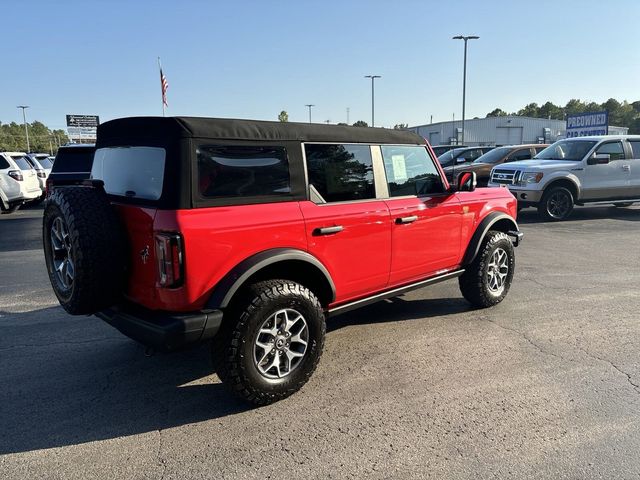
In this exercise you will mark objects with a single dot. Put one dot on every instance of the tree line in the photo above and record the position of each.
(621, 114)
(41, 138)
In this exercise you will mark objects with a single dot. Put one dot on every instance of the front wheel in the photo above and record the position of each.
(556, 204)
(486, 281)
(270, 342)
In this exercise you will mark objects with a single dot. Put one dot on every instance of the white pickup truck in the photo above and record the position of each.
(575, 171)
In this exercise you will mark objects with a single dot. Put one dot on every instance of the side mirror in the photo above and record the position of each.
(467, 182)
(599, 159)
(461, 160)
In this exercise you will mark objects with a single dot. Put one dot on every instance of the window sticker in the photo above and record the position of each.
(399, 168)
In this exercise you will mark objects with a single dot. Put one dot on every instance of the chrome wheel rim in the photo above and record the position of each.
(281, 344)
(558, 205)
(61, 258)
(497, 271)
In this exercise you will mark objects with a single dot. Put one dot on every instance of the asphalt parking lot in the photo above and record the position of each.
(545, 385)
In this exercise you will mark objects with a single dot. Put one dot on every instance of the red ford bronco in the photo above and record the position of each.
(248, 234)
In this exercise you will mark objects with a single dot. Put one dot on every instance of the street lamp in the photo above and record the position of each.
(24, 121)
(372, 77)
(464, 74)
(309, 105)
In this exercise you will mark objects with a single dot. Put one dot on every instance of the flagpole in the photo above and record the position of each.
(161, 96)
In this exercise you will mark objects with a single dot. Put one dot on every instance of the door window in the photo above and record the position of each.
(410, 171)
(340, 173)
(635, 148)
(522, 154)
(614, 149)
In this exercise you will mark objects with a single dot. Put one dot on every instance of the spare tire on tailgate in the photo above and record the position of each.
(84, 248)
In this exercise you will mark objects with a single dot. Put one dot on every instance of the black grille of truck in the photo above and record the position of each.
(505, 177)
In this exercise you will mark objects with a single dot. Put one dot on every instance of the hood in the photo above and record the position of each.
(541, 165)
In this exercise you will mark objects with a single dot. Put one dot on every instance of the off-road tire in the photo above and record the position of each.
(96, 244)
(623, 204)
(474, 282)
(546, 206)
(233, 347)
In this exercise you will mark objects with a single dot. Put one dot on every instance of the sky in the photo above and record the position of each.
(253, 59)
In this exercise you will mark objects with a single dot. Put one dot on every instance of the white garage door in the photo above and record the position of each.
(508, 135)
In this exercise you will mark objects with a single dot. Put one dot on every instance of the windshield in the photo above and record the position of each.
(446, 158)
(493, 156)
(571, 150)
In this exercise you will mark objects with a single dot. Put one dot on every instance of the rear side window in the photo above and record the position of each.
(340, 173)
(22, 163)
(635, 149)
(4, 164)
(73, 160)
(523, 154)
(242, 171)
(410, 171)
(134, 172)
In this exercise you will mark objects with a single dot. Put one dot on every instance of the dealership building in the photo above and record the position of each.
(507, 130)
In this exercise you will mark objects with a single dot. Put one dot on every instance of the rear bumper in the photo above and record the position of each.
(516, 236)
(163, 331)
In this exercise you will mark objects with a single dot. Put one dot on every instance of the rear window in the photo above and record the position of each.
(242, 171)
(45, 162)
(134, 172)
(73, 160)
(23, 163)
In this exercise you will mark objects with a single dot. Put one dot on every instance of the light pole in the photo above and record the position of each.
(24, 121)
(372, 77)
(464, 74)
(309, 105)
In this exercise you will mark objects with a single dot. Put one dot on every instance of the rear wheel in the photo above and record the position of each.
(556, 204)
(270, 342)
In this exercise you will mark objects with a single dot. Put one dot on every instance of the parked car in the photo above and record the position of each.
(440, 149)
(460, 156)
(72, 165)
(511, 153)
(575, 171)
(18, 181)
(248, 234)
(40, 163)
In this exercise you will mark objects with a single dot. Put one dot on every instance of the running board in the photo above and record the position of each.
(393, 293)
(608, 202)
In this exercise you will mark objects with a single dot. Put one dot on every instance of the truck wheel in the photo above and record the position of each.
(486, 281)
(84, 249)
(271, 342)
(11, 209)
(623, 204)
(556, 204)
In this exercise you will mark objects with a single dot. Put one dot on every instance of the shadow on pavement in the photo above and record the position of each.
(79, 388)
(632, 214)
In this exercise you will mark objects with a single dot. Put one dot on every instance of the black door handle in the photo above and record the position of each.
(404, 220)
(328, 230)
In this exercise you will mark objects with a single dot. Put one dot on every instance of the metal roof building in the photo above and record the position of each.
(507, 130)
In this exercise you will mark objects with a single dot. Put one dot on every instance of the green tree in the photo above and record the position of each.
(41, 138)
(531, 110)
(498, 112)
(360, 123)
(284, 116)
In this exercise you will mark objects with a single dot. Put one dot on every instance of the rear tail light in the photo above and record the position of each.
(170, 260)
(41, 173)
(16, 175)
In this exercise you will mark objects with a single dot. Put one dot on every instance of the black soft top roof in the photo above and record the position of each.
(164, 128)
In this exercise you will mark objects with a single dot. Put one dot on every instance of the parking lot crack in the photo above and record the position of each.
(527, 339)
(635, 386)
(160, 460)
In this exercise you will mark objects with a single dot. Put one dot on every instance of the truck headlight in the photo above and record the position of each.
(530, 177)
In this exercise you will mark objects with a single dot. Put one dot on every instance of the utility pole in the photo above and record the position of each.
(347, 115)
(24, 121)
(372, 77)
(464, 74)
(309, 105)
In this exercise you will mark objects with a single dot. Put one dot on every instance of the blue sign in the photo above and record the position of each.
(584, 124)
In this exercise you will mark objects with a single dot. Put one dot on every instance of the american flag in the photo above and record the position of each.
(164, 85)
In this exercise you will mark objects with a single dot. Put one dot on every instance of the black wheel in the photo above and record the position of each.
(11, 209)
(623, 204)
(270, 342)
(84, 248)
(486, 281)
(556, 204)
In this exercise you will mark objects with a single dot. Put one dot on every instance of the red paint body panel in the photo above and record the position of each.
(359, 257)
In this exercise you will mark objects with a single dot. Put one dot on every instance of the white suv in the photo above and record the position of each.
(575, 171)
(18, 181)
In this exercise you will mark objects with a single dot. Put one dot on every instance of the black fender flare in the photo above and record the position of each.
(226, 288)
(482, 229)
